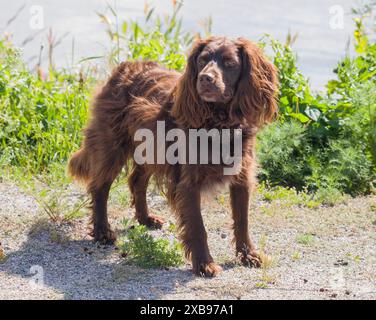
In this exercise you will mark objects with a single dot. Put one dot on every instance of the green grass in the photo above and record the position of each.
(41, 120)
(296, 256)
(305, 239)
(141, 248)
(60, 209)
(261, 285)
(289, 197)
(155, 38)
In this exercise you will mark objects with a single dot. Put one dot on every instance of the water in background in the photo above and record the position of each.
(319, 46)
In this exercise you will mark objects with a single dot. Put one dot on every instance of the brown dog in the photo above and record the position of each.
(227, 84)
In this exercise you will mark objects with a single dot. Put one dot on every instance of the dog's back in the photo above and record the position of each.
(132, 96)
(137, 79)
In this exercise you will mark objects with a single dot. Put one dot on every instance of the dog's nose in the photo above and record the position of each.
(206, 77)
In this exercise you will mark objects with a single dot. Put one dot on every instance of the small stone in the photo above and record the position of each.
(341, 263)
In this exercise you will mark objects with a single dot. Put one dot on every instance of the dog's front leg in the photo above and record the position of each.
(239, 193)
(192, 231)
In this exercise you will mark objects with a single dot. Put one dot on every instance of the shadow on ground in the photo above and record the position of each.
(81, 269)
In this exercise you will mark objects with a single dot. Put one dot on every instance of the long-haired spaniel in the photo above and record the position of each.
(227, 84)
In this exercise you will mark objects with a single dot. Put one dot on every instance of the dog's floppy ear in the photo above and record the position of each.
(255, 98)
(188, 109)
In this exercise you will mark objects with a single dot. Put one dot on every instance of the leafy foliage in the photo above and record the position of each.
(295, 98)
(324, 141)
(138, 246)
(40, 120)
(156, 38)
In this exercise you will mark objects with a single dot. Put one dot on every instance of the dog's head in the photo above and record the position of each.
(231, 73)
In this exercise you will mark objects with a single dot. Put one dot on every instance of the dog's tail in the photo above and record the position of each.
(79, 165)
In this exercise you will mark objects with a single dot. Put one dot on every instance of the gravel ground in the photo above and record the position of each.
(337, 260)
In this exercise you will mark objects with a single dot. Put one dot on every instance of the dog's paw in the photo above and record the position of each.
(206, 269)
(152, 221)
(104, 236)
(251, 259)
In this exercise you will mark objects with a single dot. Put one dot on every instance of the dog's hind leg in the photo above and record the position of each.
(104, 171)
(138, 182)
(102, 231)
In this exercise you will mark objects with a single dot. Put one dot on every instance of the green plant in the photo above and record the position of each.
(296, 256)
(312, 156)
(288, 197)
(157, 39)
(295, 98)
(60, 208)
(327, 196)
(138, 246)
(282, 148)
(41, 120)
(305, 239)
(261, 285)
(325, 141)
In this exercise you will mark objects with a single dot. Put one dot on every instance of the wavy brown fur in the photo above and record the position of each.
(136, 95)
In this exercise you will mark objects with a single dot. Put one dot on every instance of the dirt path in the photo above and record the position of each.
(323, 253)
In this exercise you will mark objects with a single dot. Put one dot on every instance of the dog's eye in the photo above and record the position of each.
(201, 62)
